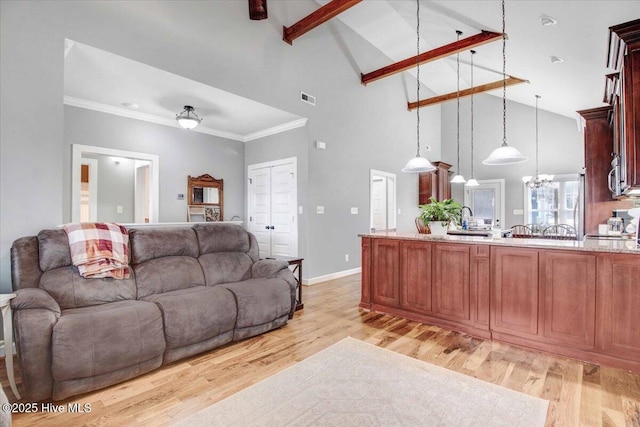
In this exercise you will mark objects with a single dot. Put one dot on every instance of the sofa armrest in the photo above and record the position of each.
(288, 277)
(268, 268)
(35, 313)
(34, 298)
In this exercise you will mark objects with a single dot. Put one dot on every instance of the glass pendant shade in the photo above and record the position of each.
(472, 183)
(188, 119)
(458, 179)
(504, 155)
(418, 164)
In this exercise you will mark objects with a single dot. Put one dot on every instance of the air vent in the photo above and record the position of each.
(307, 98)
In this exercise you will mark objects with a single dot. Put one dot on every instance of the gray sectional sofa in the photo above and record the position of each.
(191, 289)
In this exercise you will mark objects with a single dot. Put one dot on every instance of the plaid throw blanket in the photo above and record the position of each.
(99, 249)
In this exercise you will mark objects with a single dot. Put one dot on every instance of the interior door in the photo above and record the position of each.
(273, 207)
(283, 211)
(260, 208)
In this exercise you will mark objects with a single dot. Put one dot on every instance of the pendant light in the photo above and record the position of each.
(472, 181)
(505, 154)
(458, 178)
(418, 164)
(537, 181)
(188, 119)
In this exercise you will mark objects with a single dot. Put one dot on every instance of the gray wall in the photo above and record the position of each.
(116, 187)
(561, 145)
(216, 44)
(181, 153)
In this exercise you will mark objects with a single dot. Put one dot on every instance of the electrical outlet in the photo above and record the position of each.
(346, 257)
(354, 211)
(427, 147)
(321, 145)
(399, 211)
(320, 210)
(300, 210)
(180, 196)
(119, 209)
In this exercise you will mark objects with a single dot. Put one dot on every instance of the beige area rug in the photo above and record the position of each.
(353, 383)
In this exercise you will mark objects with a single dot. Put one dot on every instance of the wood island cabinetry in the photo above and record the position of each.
(582, 303)
(445, 284)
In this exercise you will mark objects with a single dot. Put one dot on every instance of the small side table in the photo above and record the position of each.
(7, 322)
(297, 269)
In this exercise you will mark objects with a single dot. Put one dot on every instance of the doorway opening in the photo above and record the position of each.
(382, 198)
(486, 201)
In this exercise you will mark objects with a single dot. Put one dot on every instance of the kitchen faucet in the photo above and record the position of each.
(466, 208)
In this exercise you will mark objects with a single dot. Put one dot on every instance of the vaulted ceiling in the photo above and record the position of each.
(579, 37)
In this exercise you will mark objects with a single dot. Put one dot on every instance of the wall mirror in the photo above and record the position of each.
(206, 198)
(109, 185)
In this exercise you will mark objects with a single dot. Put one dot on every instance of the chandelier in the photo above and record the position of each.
(539, 180)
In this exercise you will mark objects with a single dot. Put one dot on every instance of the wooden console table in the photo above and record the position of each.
(297, 262)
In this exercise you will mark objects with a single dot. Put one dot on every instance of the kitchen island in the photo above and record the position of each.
(574, 298)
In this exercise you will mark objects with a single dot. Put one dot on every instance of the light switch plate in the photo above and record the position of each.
(321, 145)
(354, 211)
(319, 209)
(518, 212)
(300, 210)
(119, 209)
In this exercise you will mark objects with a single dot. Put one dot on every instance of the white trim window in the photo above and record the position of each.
(552, 205)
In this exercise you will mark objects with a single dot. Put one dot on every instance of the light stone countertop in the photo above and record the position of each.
(628, 246)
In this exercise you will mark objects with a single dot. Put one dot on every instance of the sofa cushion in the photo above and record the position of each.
(96, 340)
(53, 249)
(156, 242)
(225, 267)
(260, 300)
(214, 238)
(195, 314)
(70, 290)
(167, 274)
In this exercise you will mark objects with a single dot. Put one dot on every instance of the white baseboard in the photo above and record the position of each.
(332, 276)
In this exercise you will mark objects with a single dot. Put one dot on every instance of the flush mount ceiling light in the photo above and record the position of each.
(547, 21)
(188, 119)
(504, 155)
(418, 164)
(556, 59)
(472, 181)
(537, 181)
(458, 178)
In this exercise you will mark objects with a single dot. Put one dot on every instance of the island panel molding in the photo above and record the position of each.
(576, 299)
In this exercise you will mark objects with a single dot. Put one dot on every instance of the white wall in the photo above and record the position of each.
(561, 145)
(214, 43)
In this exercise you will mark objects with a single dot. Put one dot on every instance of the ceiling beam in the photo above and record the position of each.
(466, 92)
(320, 16)
(432, 55)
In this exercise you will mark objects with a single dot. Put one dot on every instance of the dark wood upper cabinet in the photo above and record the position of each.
(598, 149)
(622, 91)
(434, 184)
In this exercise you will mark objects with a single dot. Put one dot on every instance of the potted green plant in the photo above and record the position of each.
(439, 214)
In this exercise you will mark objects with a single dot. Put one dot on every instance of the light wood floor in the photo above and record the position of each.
(580, 394)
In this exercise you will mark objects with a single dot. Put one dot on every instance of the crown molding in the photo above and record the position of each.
(276, 129)
(152, 118)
